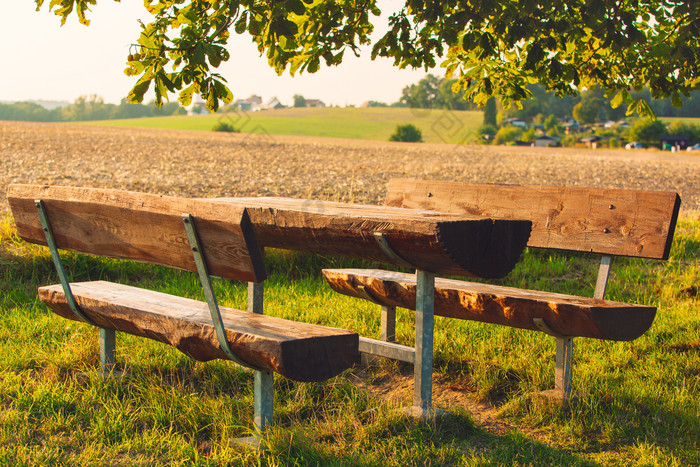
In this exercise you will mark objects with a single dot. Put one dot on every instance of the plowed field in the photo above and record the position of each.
(214, 164)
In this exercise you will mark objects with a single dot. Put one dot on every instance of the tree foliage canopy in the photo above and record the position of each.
(491, 47)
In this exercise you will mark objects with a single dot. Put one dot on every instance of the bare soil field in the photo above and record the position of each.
(198, 164)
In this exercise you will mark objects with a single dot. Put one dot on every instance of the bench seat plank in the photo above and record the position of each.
(566, 315)
(298, 351)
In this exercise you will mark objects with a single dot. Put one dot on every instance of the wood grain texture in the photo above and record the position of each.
(298, 351)
(140, 227)
(460, 244)
(606, 221)
(566, 315)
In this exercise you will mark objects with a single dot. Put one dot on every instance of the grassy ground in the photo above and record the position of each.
(437, 126)
(637, 402)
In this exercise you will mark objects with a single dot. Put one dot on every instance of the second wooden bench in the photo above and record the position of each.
(603, 222)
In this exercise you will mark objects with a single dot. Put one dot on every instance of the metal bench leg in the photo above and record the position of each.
(262, 413)
(423, 366)
(263, 390)
(388, 332)
(563, 371)
(107, 350)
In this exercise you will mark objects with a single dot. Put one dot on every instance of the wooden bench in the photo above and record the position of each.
(596, 221)
(194, 235)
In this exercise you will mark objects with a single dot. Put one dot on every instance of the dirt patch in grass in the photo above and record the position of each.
(188, 163)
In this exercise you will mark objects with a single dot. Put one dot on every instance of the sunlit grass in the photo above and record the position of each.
(637, 403)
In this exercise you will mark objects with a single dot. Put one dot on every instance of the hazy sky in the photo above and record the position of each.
(42, 60)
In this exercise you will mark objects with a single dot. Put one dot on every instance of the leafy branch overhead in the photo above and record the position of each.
(492, 47)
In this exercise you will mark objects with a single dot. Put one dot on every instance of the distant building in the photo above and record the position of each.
(677, 142)
(250, 104)
(197, 106)
(545, 141)
(591, 141)
(315, 103)
(273, 103)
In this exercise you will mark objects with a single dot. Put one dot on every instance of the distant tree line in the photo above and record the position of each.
(590, 106)
(86, 108)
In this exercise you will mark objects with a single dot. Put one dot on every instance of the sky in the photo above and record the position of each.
(42, 60)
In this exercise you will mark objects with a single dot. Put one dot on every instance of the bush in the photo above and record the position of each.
(224, 126)
(507, 134)
(407, 133)
(647, 131)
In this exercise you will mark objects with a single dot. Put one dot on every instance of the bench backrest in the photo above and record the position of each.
(605, 221)
(140, 227)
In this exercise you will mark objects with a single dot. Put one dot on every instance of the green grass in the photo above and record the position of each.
(638, 403)
(437, 126)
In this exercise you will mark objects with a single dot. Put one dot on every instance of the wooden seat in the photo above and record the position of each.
(298, 351)
(564, 315)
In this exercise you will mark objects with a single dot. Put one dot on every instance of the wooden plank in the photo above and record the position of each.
(140, 227)
(298, 351)
(460, 244)
(606, 221)
(566, 315)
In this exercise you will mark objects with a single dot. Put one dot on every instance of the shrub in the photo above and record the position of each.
(647, 131)
(408, 133)
(507, 134)
(224, 126)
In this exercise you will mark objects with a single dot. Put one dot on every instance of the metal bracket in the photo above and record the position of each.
(205, 279)
(57, 263)
(603, 276)
(383, 243)
(542, 326)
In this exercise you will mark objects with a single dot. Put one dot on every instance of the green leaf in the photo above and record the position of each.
(135, 96)
(186, 94)
(296, 7)
(676, 100)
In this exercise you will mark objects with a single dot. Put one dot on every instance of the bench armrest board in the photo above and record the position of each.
(566, 315)
(140, 227)
(298, 351)
(633, 223)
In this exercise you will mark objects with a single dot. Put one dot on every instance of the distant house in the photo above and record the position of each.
(545, 141)
(315, 103)
(250, 104)
(197, 107)
(679, 142)
(273, 103)
(591, 141)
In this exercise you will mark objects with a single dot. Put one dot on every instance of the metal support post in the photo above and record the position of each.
(107, 350)
(263, 402)
(563, 370)
(263, 390)
(603, 276)
(388, 332)
(209, 294)
(425, 319)
(255, 297)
